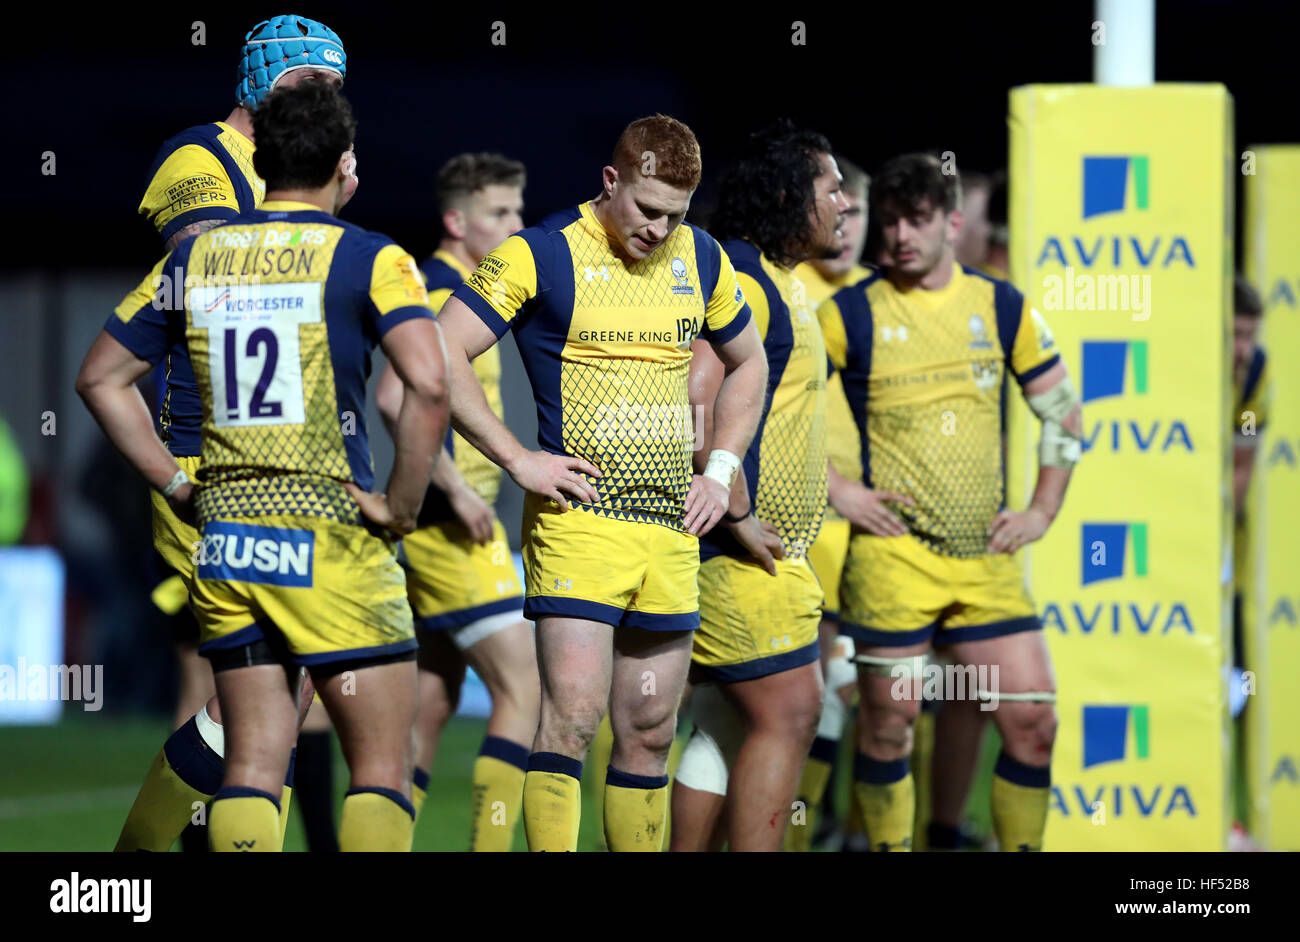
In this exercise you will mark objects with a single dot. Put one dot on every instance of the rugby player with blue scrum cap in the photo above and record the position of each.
(201, 178)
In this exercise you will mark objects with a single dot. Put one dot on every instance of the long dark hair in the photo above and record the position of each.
(766, 195)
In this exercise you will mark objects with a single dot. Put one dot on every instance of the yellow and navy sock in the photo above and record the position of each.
(552, 802)
(498, 794)
(185, 773)
(636, 807)
(244, 820)
(812, 787)
(1020, 798)
(376, 819)
(286, 797)
(884, 790)
(314, 783)
(922, 770)
(419, 790)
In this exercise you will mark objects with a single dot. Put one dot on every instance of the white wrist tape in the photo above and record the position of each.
(722, 467)
(179, 478)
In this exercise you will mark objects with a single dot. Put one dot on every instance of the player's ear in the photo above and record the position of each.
(609, 177)
(955, 222)
(453, 223)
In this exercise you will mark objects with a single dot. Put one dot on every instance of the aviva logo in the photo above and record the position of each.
(1106, 184)
(1106, 733)
(1108, 364)
(1104, 550)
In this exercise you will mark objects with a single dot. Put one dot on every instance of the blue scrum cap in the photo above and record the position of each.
(281, 44)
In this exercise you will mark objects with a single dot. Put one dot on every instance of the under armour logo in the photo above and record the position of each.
(889, 333)
(564, 585)
(602, 272)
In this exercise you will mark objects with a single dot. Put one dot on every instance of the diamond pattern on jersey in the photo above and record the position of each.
(290, 467)
(626, 418)
(625, 402)
(791, 490)
(934, 420)
(241, 151)
(289, 495)
(316, 446)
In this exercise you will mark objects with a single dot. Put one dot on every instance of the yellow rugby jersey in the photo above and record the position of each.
(606, 343)
(924, 374)
(279, 311)
(785, 466)
(842, 445)
(205, 172)
(443, 273)
(1252, 403)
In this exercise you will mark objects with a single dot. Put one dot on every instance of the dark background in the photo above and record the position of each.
(102, 91)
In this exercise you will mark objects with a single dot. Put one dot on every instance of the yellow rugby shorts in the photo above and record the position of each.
(456, 585)
(753, 624)
(896, 591)
(827, 557)
(578, 564)
(330, 591)
(175, 540)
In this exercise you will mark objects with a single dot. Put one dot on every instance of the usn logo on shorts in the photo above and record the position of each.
(240, 552)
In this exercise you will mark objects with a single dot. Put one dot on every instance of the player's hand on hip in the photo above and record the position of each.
(182, 504)
(761, 539)
(1012, 529)
(376, 509)
(865, 508)
(554, 476)
(706, 502)
(473, 511)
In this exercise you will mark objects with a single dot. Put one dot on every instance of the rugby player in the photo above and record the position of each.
(952, 744)
(201, 178)
(779, 205)
(822, 277)
(605, 300)
(460, 574)
(924, 348)
(296, 566)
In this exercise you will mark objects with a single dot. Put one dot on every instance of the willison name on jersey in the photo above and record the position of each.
(232, 263)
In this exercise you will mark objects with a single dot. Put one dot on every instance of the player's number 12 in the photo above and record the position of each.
(254, 361)
(258, 407)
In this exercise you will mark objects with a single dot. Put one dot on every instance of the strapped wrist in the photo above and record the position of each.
(178, 479)
(722, 467)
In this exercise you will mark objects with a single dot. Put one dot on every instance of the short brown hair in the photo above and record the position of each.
(466, 174)
(909, 180)
(663, 144)
(854, 176)
(1245, 299)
